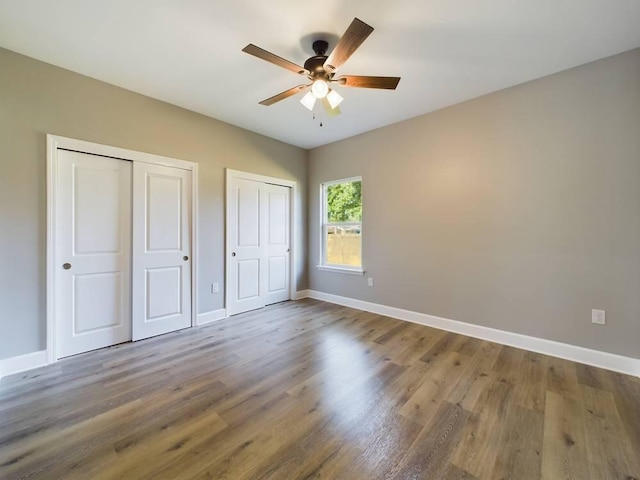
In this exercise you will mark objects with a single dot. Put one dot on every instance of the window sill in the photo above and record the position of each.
(348, 271)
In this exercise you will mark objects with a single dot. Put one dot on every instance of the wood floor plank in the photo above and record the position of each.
(455, 473)
(562, 378)
(385, 448)
(508, 365)
(439, 382)
(564, 452)
(480, 443)
(476, 377)
(522, 432)
(425, 338)
(74, 442)
(346, 424)
(627, 394)
(530, 392)
(610, 451)
(428, 456)
(309, 389)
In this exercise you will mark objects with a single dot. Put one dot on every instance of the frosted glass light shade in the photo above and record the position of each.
(334, 98)
(309, 100)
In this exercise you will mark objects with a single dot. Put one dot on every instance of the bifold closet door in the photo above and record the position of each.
(258, 250)
(92, 252)
(161, 277)
(277, 243)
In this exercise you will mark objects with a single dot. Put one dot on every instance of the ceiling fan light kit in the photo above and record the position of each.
(319, 88)
(321, 70)
(334, 98)
(309, 100)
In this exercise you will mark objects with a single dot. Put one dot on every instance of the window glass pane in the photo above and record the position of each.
(344, 245)
(344, 202)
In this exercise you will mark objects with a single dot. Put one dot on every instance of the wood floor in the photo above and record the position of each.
(312, 390)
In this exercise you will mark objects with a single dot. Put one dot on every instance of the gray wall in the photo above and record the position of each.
(519, 210)
(36, 99)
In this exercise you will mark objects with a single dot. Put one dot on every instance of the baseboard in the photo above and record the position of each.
(212, 316)
(596, 358)
(300, 294)
(21, 363)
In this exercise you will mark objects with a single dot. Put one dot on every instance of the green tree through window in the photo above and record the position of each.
(344, 202)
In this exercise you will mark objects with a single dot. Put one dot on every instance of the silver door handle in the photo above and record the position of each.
(233, 254)
(185, 258)
(66, 266)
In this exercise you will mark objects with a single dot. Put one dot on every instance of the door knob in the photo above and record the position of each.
(233, 254)
(185, 258)
(288, 250)
(66, 266)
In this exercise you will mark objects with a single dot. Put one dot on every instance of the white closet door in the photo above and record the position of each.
(92, 252)
(161, 250)
(277, 243)
(246, 263)
(258, 244)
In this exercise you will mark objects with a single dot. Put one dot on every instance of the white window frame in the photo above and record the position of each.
(324, 223)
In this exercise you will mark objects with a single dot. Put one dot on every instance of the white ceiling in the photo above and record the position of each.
(188, 52)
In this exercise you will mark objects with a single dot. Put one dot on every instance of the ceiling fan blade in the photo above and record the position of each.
(357, 33)
(283, 95)
(331, 112)
(389, 83)
(251, 49)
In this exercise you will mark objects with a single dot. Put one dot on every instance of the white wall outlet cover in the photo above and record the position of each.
(370, 281)
(598, 316)
(215, 287)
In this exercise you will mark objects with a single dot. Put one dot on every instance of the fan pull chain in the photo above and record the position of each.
(313, 117)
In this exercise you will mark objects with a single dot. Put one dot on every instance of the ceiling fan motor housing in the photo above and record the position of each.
(315, 64)
(320, 47)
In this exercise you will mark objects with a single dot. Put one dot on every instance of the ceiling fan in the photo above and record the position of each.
(321, 70)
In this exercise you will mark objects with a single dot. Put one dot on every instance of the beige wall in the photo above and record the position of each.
(36, 99)
(519, 210)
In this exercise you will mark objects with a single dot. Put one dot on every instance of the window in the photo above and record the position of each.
(342, 225)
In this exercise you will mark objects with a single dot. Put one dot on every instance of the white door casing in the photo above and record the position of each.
(93, 251)
(258, 242)
(161, 280)
(57, 147)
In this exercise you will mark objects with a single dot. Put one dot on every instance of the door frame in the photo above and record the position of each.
(54, 143)
(238, 174)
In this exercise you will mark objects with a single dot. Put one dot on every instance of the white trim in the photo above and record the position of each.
(52, 174)
(212, 316)
(343, 180)
(323, 265)
(21, 363)
(256, 177)
(300, 294)
(116, 152)
(347, 270)
(596, 358)
(54, 143)
(194, 244)
(230, 173)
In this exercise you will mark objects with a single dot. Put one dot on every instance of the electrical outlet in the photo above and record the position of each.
(215, 287)
(370, 281)
(598, 316)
